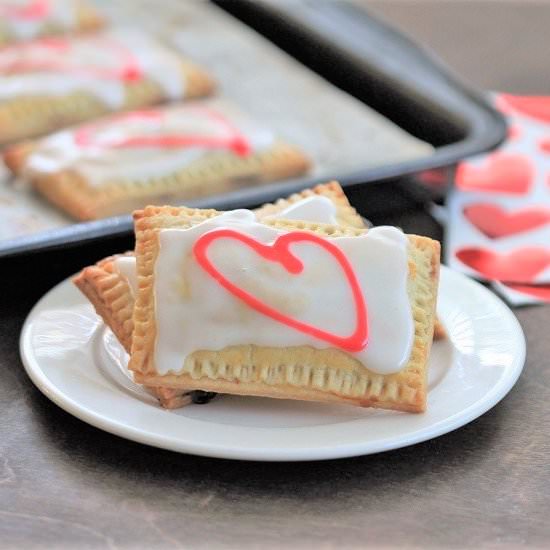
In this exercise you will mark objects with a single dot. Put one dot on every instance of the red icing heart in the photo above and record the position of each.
(230, 138)
(279, 252)
(537, 291)
(500, 173)
(495, 222)
(521, 265)
(533, 106)
(56, 54)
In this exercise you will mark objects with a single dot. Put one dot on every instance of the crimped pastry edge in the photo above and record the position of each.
(68, 190)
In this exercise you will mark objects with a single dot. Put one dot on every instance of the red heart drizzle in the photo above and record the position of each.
(232, 139)
(537, 291)
(521, 265)
(500, 173)
(495, 222)
(53, 54)
(533, 106)
(279, 252)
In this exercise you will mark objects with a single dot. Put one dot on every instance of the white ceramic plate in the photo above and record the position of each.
(76, 362)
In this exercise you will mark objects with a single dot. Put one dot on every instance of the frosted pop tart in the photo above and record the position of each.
(51, 83)
(159, 155)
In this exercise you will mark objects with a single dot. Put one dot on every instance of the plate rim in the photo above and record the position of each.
(329, 452)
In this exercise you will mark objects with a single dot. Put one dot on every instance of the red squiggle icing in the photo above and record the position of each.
(54, 55)
(279, 252)
(35, 9)
(231, 139)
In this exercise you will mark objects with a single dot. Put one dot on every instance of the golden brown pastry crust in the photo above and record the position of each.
(111, 296)
(346, 215)
(32, 116)
(292, 373)
(113, 301)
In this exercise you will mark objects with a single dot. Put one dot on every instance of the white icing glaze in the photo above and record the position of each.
(317, 209)
(91, 63)
(312, 209)
(58, 13)
(319, 295)
(98, 162)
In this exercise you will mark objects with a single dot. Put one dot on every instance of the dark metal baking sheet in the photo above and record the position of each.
(367, 59)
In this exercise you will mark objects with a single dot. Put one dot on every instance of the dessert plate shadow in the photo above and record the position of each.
(77, 363)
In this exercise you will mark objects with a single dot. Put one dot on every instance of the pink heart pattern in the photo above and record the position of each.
(496, 222)
(500, 173)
